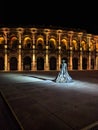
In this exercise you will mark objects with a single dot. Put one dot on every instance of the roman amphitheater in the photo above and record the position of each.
(40, 48)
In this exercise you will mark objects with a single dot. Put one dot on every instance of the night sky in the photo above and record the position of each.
(66, 14)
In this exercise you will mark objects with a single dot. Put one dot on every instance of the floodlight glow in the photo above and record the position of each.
(76, 85)
(47, 81)
(83, 87)
(21, 78)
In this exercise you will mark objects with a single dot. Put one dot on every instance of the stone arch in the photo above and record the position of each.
(40, 43)
(75, 44)
(27, 63)
(13, 42)
(13, 63)
(27, 44)
(64, 44)
(52, 44)
(40, 63)
(84, 45)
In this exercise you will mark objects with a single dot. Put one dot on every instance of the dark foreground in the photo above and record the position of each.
(33, 101)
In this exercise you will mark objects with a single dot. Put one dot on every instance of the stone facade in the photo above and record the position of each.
(44, 48)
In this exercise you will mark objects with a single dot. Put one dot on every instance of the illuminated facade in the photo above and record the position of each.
(43, 49)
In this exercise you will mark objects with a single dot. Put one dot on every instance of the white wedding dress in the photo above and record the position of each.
(63, 76)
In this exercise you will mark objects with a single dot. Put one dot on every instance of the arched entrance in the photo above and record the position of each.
(13, 63)
(1, 63)
(52, 64)
(27, 63)
(75, 63)
(40, 63)
(92, 63)
(84, 63)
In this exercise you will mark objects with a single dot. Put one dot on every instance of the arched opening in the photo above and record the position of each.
(27, 63)
(40, 63)
(52, 62)
(75, 63)
(27, 43)
(1, 63)
(84, 63)
(92, 63)
(13, 63)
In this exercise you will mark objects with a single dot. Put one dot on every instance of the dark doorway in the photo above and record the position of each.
(75, 63)
(92, 63)
(53, 63)
(13, 63)
(27, 63)
(1, 63)
(84, 63)
(40, 63)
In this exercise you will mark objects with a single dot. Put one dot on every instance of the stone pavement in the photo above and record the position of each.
(38, 103)
(7, 119)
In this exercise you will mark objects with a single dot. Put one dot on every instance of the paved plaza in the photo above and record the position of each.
(33, 101)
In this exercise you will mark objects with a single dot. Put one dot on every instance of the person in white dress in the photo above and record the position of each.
(63, 76)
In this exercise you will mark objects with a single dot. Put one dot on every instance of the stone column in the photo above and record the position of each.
(89, 54)
(47, 53)
(96, 59)
(33, 31)
(70, 60)
(70, 34)
(80, 34)
(80, 66)
(6, 64)
(6, 59)
(96, 53)
(20, 31)
(59, 49)
(96, 47)
(89, 60)
(19, 59)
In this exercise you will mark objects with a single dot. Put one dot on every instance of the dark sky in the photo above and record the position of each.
(66, 14)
